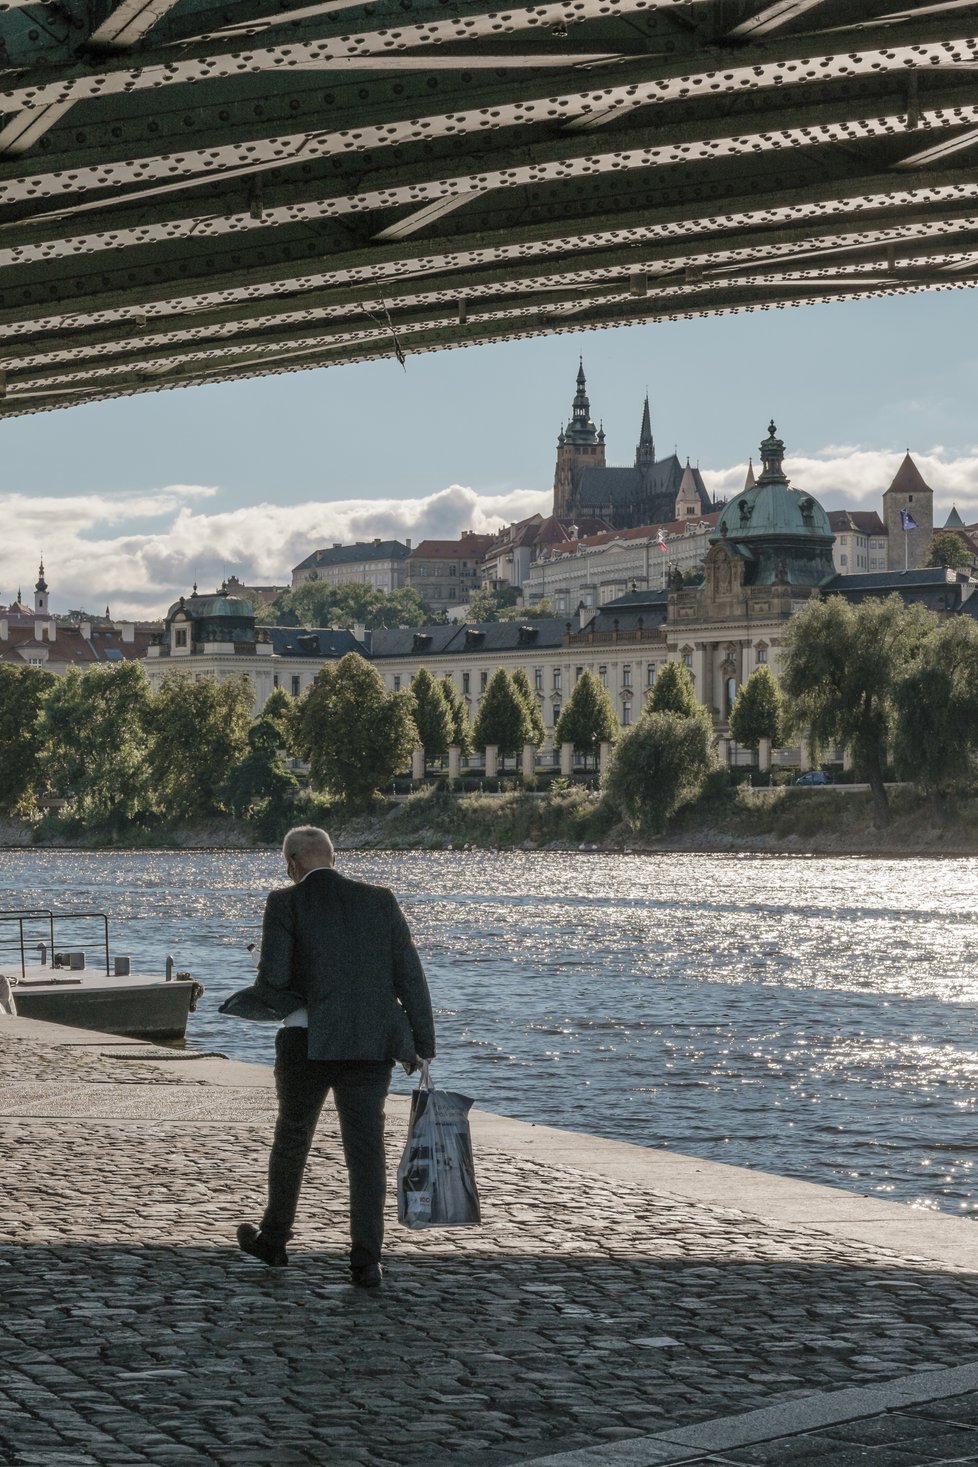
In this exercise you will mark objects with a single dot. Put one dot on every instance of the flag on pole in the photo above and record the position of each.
(660, 541)
(907, 521)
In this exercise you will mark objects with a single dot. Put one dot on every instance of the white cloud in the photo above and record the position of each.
(138, 552)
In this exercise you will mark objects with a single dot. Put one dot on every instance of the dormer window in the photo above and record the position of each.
(180, 637)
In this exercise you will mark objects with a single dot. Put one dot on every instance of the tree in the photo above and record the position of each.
(260, 777)
(673, 691)
(461, 728)
(432, 716)
(199, 732)
(937, 712)
(948, 549)
(588, 718)
(841, 668)
(503, 718)
(317, 603)
(94, 731)
(357, 735)
(22, 692)
(532, 704)
(537, 612)
(280, 709)
(486, 605)
(758, 711)
(656, 765)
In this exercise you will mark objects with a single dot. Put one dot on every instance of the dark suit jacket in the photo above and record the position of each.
(343, 950)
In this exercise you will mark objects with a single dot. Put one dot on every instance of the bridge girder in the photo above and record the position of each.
(192, 192)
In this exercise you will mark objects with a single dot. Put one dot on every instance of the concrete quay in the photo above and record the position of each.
(620, 1307)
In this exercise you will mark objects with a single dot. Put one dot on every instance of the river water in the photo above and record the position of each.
(809, 1016)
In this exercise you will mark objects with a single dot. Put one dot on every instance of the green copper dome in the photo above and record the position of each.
(771, 507)
(219, 605)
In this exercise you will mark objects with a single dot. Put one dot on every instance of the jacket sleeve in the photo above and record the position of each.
(276, 985)
(411, 985)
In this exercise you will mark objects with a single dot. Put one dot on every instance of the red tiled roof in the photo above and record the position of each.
(862, 521)
(472, 546)
(676, 528)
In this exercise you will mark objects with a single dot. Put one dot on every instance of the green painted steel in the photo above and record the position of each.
(192, 192)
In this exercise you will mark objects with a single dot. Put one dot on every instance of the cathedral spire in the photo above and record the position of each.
(580, 429)
(750, 481)
(645, 451)
(41, 592)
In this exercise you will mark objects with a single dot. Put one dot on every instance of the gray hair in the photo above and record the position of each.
(308, 844)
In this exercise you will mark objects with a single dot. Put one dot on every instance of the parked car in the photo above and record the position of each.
(813, 776)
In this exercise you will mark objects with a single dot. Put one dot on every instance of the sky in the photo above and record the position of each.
(129, 502)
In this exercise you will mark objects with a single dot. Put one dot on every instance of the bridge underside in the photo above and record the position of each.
(193, 191)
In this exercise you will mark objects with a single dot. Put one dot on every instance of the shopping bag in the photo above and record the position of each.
(436, 1176)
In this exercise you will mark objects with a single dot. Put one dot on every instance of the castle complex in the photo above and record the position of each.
(652, 491)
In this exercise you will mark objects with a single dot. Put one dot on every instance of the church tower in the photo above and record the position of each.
(41, 593)
(645, 451)
(580, 446)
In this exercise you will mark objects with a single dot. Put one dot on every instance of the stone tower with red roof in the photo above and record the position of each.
(908, 495)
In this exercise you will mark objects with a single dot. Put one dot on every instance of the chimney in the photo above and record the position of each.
(408, 543)
(337, 545)
(377, 540)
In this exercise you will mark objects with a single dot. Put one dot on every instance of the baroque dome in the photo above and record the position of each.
(771, 507)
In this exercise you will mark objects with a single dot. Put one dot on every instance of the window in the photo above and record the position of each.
(577, 673)
(557, 676)
(688, 660)
(274, 679)
(465, 683)
(603, 675)
(761, 654)
(538, 679)
(295, 687)
(453, 570)
(556, 712)
(843, 560)
(483, 679)
(626, 675)
(397, 683)
(650, 675)
(180, 637)
(626, 714)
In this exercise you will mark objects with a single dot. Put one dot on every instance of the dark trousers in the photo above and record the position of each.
(359, 1091)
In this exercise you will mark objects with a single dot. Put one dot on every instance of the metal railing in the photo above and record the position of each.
(22, 915)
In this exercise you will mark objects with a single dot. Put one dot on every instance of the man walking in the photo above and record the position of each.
(338, 962)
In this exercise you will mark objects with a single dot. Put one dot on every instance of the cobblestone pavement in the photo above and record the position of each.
(581, 1313)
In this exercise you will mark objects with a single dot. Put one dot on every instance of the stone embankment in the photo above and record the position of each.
(620, 1307)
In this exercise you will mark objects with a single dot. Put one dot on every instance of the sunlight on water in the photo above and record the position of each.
(811, 1016)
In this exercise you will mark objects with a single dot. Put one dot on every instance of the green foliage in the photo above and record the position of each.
(22, 691)
(503, 718)
(260, 779)
(657, 765)
(532, 704)
(486, 605)
(673, 691)
(280, 709)
(948, 549)
(317, 604)
(94, 732)
(432, 716)
(937, 708)
(841, 669)
(537, 612)
(588, 717)
(357, 736)
(758, 712)
(199, 732)
(461, 727)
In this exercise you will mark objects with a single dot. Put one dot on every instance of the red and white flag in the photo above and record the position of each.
(660, 541)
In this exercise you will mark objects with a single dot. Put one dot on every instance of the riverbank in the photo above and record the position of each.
(618, 1306)
(832, 820)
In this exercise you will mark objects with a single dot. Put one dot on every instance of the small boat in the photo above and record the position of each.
(52, 980)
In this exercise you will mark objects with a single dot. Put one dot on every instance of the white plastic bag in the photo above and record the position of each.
(436, 1177)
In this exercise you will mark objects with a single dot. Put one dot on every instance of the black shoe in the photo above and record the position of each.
(368, 1276)
(250, 1240)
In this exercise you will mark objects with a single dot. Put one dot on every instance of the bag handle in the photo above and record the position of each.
(426, 1082)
